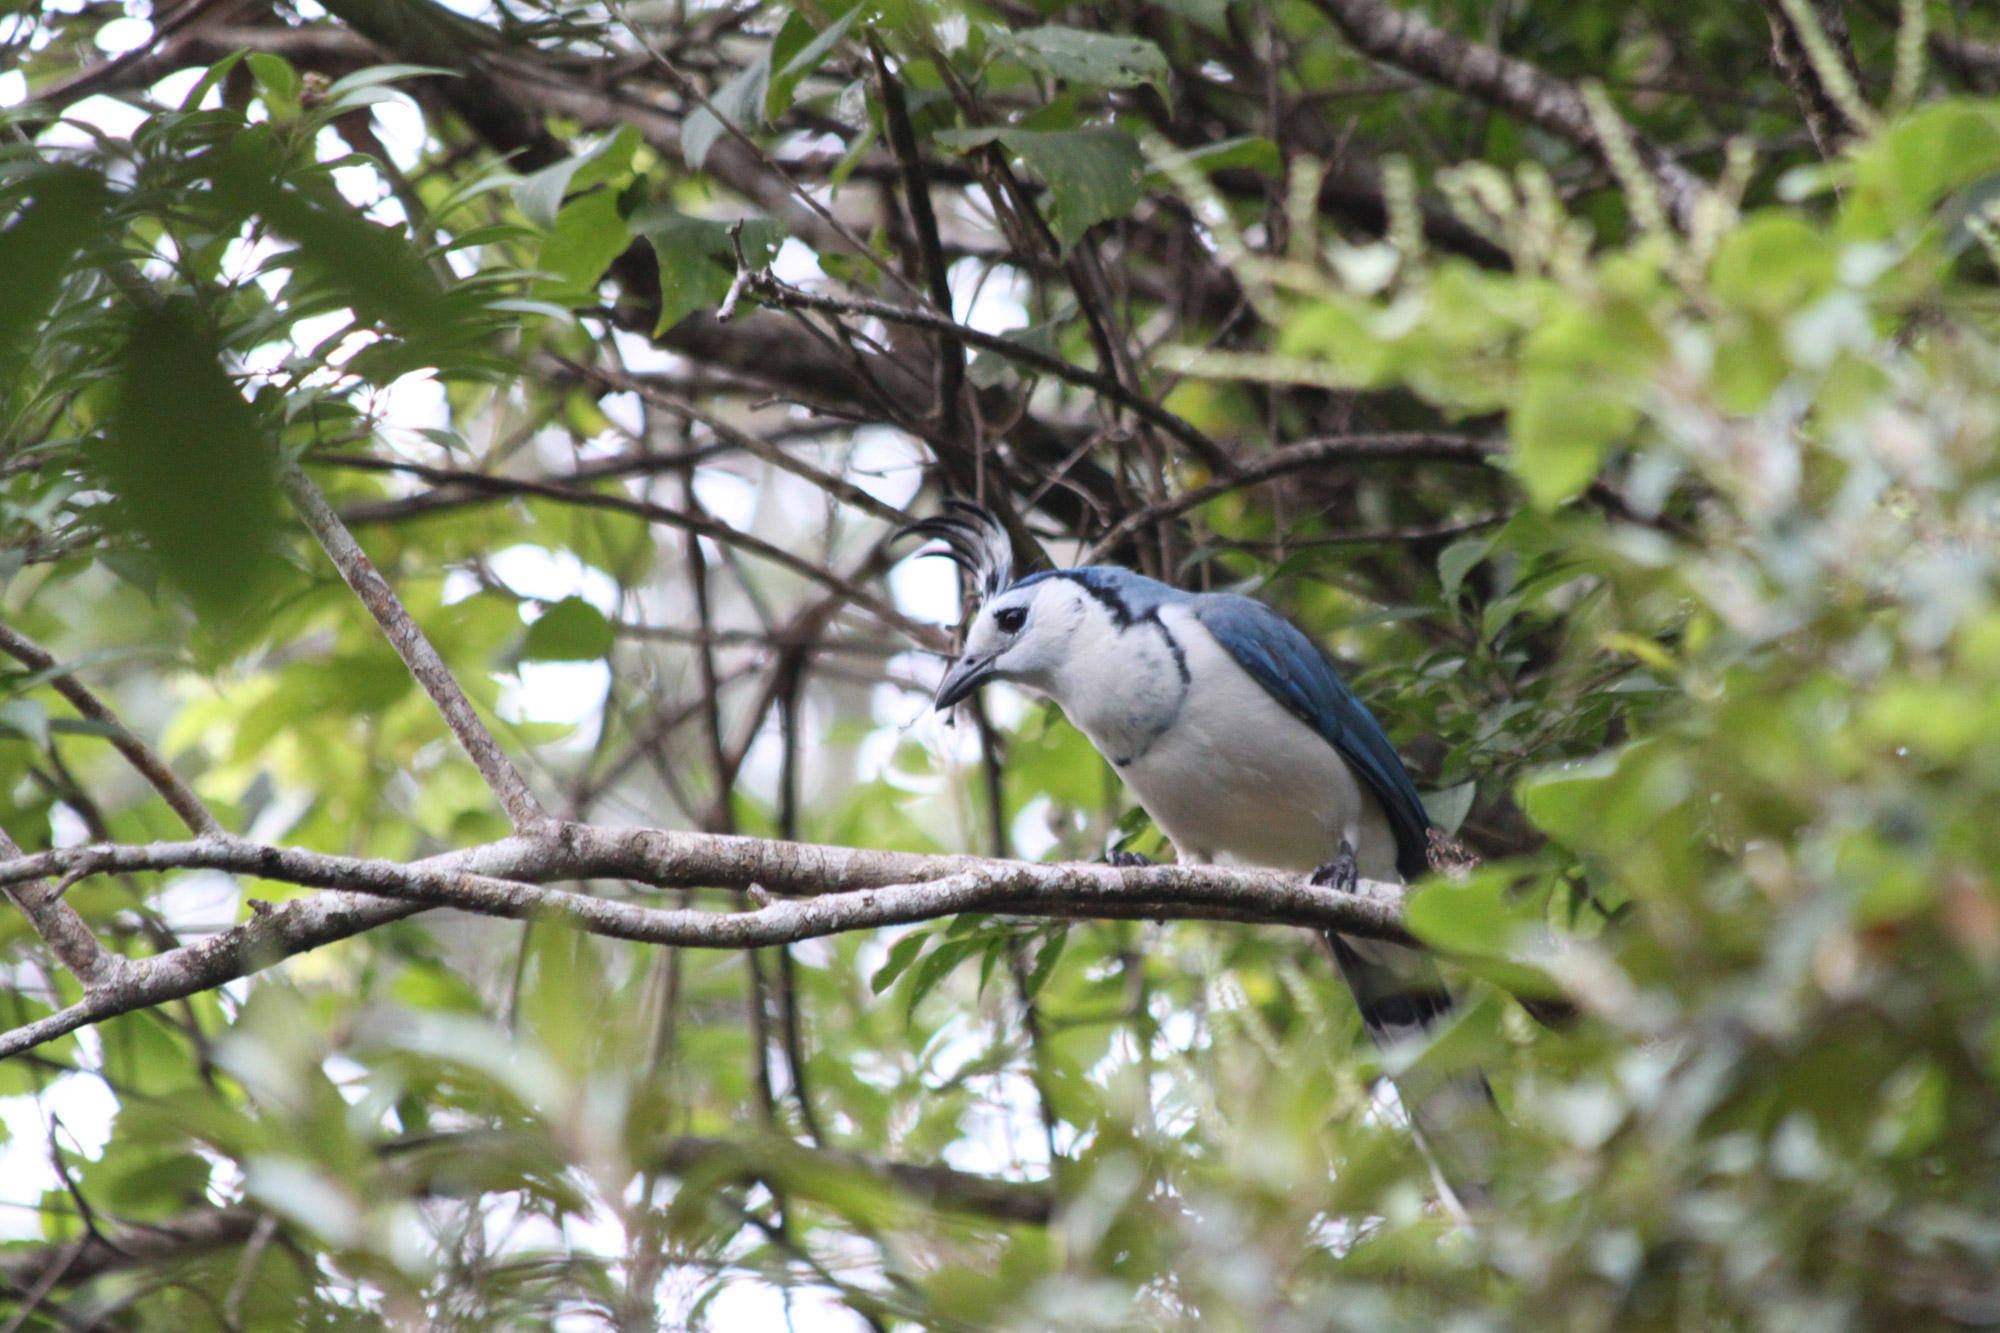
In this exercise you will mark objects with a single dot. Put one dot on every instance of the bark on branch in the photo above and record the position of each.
(523, 810)
(1827, 120)
(830, 890)
(1412, 43)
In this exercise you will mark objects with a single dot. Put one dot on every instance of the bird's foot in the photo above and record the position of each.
(1126, 860)
(1339, 873)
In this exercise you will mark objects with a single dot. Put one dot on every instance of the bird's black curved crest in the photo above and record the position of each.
(975, 540)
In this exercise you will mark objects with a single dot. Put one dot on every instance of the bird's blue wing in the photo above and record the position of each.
(1280, 657)
(1399, 991)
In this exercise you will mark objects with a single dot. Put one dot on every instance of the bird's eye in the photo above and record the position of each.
(1010, 619)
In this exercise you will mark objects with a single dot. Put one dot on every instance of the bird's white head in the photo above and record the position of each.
(1026, 635)
(1031, 632)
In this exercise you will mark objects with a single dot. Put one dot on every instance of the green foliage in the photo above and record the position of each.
(1098, 59)
(185, 456)
(62, 209)
(698, 257)
(571, 630)
(1092, 174)
(1702, 664)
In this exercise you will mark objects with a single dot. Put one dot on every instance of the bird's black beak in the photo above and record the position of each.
(966, 675)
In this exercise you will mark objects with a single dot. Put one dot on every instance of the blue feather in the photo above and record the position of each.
(1298, 675)
(1126, 595)
(1296, 672)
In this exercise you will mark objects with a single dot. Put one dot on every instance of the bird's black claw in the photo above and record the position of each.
(1339, 873)
(1126, 860)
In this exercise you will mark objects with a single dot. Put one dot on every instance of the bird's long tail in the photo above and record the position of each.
(1403, 1000)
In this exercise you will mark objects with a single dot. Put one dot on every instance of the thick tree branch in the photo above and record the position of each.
(1826, 119)
(192, 1233)
(61, 928)
(1413, 43)
(330, 51)
(840, 888)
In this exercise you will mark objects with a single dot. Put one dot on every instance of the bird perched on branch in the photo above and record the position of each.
(1242, 742)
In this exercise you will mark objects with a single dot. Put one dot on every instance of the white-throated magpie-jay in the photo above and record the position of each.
(1240, 739)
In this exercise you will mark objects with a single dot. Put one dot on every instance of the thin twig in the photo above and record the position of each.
(686, 522)
(1208, 451)
(143, 757)
(690, 89)
(416, 651)
(1412, 446)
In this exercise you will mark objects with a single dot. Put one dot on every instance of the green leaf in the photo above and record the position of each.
(1046, 958)
(937, 965)
(796, 52)
(369, 267)
(698, 257)
(1776, 262)
(1577, 396)
(740, 101)
(1249, 152)
(1448, 808)
(901, 954)
(1561, 427)
(540, 196)
(26, 718)
(1457, 560)
(1562, 801)
(1470, 915)
(309, 1197)
(1092, 174)
(214, 75)
(186, 457)
(61, 217)
(279, 81)
(589, 233)
(570, 631)
(376, 75)
(1903, 173)
(1098, 59)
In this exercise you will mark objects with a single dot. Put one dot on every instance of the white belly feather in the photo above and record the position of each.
(1239, 778)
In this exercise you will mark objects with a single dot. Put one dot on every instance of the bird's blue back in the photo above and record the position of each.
(1293, 670)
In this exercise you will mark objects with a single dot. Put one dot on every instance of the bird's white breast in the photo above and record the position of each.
(1237, 777)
